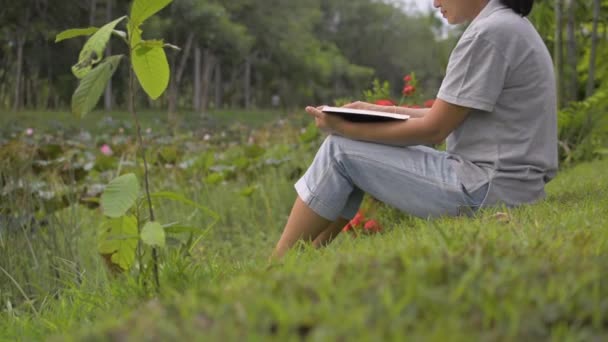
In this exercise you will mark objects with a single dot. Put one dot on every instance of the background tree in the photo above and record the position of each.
(244, 52)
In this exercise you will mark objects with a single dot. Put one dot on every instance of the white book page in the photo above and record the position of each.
(329, 109)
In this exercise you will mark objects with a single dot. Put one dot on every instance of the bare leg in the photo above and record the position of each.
(303, 223)
(329, 234)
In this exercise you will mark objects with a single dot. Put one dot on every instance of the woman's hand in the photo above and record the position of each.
(331, 124)
(360, 105)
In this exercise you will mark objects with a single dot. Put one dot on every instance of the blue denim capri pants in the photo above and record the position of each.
(417, 180)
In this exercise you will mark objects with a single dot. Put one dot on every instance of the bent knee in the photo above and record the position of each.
(332, 144)
(333, 139)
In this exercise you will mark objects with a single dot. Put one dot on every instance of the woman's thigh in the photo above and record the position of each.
(417, 179)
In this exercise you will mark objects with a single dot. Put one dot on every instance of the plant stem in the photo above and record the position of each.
(142, 150)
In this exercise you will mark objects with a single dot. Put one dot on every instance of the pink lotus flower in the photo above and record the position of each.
(29, 132)
(106, 150)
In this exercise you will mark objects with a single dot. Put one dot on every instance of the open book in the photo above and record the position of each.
(362, 115)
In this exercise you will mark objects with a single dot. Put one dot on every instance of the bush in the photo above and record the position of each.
(583, 129)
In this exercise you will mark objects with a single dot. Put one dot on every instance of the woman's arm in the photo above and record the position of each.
(412, 112)
(432, 128)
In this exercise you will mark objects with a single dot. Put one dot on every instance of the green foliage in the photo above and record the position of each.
(583, 128)
(379, 91)
(149, 62)
(147, 57)
(93, 51)
(153, 235)
(175, 197)
(513, 274)
(216, 28)
(306, 52)
(73, 33)
(574, 73)
(119, 239)
(120, 195)
(383, 39)
(531, 273)
(310, 134)
(92, 86)
(144, 9)
(152, 68)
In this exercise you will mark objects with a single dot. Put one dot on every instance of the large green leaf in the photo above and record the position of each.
(92, 86)
(134, 34)
(153, 234)
(120, 195)
(119, 239)
(73, 33)
(92, 52)
(144, 9)
(152, 69)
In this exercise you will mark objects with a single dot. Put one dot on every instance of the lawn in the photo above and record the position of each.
(537, 272)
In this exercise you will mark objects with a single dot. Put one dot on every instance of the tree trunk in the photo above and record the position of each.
(27, 92)
(258, 91)
(209, 64)
(247, 83)
(93, 12)
(592, 56)
(572, 61)
(108, 102)
(234, 77)
(49, 75)
(218, 86)
(21, 38)
(175, 81)
(558, 50)
(196, 99)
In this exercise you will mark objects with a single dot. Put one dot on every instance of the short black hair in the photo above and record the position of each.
(521, 7)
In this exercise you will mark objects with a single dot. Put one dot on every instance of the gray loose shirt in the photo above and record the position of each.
(502, 70)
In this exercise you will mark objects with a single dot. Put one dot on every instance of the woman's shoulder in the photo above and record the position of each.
(501, 24)
(502, 29)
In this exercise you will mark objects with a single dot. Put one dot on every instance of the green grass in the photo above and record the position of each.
(537, 272)
(102, 122)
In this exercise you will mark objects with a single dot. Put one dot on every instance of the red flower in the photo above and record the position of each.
(408, 78)
(429, 103)
(409, 90)
(357, 220)
(372, 226)
(347, 228)
(384, 102)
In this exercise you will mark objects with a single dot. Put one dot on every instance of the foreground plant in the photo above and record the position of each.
(125, 230)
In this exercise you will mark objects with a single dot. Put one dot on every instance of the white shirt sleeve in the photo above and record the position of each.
(475, 76)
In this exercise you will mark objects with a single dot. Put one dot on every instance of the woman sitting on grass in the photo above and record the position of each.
(496, 107)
